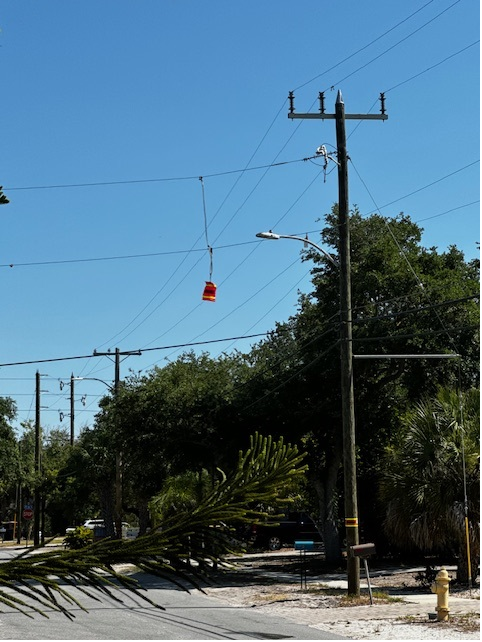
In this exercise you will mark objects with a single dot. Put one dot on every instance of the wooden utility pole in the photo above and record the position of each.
(38, 463)
(347, 387)
(118, 456)
(72, 410)
(119, 464)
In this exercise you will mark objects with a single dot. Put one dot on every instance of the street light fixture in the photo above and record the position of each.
(274, 237)
(110, 386)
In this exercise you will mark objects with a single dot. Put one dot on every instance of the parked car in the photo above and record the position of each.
(93, 524)
(7, 530)
(293, 527)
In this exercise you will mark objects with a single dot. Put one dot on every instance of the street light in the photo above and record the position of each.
(113, 389)
(110, 386)
(72, 401)
(274, 237)
(348, 403)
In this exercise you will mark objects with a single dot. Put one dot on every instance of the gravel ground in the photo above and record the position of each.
(303, 606)
(272, 585)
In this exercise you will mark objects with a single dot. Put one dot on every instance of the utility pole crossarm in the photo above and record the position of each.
(321, 115)
(347, 116)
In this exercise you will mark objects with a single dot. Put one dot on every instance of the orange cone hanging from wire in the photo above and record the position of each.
(209, 293)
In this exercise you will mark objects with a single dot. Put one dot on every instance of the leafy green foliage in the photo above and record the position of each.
(79, 537)
(433, 462)
(8, 447)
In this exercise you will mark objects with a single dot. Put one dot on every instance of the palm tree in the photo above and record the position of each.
(190, 543)
(431, 478)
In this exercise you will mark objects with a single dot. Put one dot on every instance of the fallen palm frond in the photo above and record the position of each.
(182, 552)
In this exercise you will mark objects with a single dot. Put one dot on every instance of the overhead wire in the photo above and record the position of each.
(229, 245)
(358, 51)
(296, 374)
(96, 356)
(377, 39)
(392, 315)
(273, 163)
(413, 335)
(220, 285)
(404, 39)
(247, 300)
(155, 180)
(406, 259)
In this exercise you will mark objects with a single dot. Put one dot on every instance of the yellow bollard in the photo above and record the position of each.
(441, 588)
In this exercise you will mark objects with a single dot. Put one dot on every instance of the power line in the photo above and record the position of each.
(396, 44)
(168, 347)
(123, 257)
(445, 330)
(413, 335)
(437, 64)
(364, 47)
(434, 306)
(187, 178)
(296, 374)
(156, 180)
(420, 189)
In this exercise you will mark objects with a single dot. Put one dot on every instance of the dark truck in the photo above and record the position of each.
(287, 530)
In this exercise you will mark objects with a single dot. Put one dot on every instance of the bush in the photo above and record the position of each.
(79, 538)
(427, 577)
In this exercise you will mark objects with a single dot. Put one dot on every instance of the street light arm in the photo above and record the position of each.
(272, 236)
(111, 388)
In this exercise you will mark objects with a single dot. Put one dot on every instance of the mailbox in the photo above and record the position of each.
(363, 550)
(304, 546)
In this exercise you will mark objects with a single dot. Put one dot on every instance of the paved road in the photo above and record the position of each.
(188, 616)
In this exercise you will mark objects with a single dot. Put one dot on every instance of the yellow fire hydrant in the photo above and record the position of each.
(441, 588)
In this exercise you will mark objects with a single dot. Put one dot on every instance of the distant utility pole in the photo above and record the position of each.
(72, 410)
(347, 388)
(38, 463)
(119, 464)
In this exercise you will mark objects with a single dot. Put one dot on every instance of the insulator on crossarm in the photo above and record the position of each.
(291, 98)
(321, 97)
(382, 101)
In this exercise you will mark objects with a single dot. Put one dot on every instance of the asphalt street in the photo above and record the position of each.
(187, 616)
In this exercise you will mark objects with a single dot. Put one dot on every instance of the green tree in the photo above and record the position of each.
(9, 470)
(56, 451)
(431, 468)
(180, 493)
(178, 418)
(405, 299)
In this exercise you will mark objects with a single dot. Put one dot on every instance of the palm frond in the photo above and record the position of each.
(182, 551)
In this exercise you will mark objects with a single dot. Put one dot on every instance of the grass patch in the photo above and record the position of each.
(379, 597)
(272, 597)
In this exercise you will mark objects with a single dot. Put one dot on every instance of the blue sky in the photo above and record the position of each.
(113, 110)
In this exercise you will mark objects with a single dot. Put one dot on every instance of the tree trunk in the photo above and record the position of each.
(325, 485)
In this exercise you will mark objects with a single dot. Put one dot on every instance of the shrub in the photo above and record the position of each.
(79, 538)
(427, 577)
